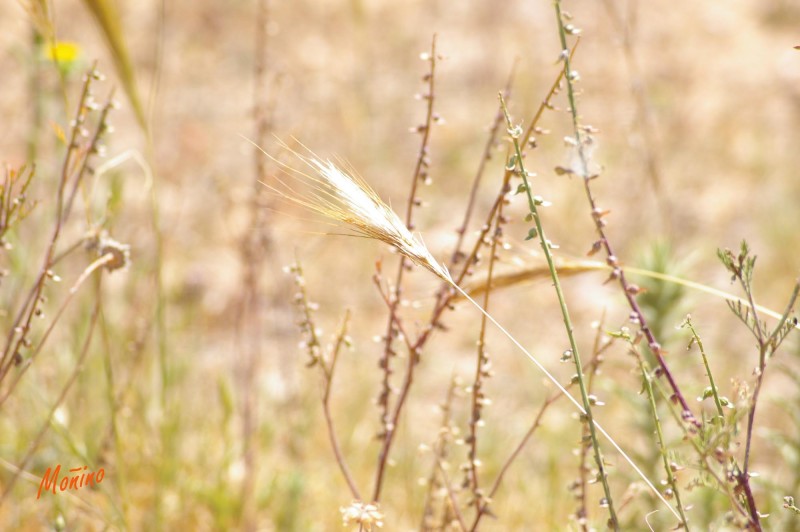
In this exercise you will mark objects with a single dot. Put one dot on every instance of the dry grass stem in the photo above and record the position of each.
(341, 197)
(571, 267)
(348, 199)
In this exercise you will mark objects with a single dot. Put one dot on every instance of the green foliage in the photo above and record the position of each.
(661, 301)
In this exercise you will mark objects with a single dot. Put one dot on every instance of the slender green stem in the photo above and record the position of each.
(515, 134)
(563, 390)
(618, 272)
(648, 384)
(688, 323)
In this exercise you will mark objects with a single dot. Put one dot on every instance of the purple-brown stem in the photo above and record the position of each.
(62, 396)
(597, 216)
(485, 156)
(481, 367)
(71, 168)
(484, 508)
(445, 294)
(439, 454)
(389, 417)
(765, 348)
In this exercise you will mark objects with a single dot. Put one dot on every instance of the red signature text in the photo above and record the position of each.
(79, 477)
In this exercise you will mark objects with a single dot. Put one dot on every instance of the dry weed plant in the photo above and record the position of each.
(29, 326)
(177, 371)
(349, 200)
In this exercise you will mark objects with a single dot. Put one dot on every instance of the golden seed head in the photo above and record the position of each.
(348, 199)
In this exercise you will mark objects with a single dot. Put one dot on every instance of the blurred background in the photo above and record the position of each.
(194, 395)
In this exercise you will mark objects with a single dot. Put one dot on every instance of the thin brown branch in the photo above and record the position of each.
(74, 166)
(94, 266)
(73, 377)
(389, 417)
(446, 295)
(485, 508)
(451, 495)
(326, 406)
(440, 449)
(317, 358)
(598, 214)
(485, 156)
(482, 365)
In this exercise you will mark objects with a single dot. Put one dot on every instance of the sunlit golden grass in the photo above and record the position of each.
(183, 375)
(347, 199)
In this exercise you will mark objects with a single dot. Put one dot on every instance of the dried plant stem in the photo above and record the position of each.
(12, 193)
(546, 246)
(598, 349)
(254, 248)
(73, 377)
(93, 267)
(484, 509)
(451, 496)
(327, 367)
(350, 200)
(74, 164)
(485, 156)
(326, 405)
(356, 204)
(482, 365)
(388, 417)
(439, 455)
(618, 272)
(574, 267)
(562, 389)
(446, 295)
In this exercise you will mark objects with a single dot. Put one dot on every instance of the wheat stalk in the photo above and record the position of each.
(348, 199)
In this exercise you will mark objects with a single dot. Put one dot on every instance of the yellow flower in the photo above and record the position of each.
(62, 51)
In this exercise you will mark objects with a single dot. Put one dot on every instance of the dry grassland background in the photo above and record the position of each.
(193, 394)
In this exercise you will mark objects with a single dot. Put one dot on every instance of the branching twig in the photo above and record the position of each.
(390, 416)
(546, 245)
(73, 169)
(485, 508)
(440, 452)
(485, 156)
(46, 425)
(327, 367)
(603, 242)
(446, 295)
(741, 267)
